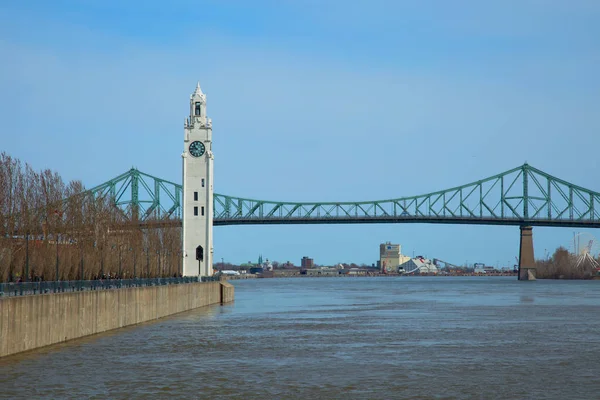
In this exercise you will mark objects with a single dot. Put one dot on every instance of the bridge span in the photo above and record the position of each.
(524, 196)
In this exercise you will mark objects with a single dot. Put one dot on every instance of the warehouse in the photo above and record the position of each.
(418, 265)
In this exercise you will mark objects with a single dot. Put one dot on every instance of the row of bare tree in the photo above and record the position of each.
(53, 230)
(564, 265)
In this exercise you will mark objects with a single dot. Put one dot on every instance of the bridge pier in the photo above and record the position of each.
(526, 259)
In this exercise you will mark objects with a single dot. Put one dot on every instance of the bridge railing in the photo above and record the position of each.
(46, 287)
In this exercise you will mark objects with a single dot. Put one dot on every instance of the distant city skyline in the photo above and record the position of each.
(313, 102)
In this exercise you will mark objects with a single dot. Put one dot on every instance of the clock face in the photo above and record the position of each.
(197, 149)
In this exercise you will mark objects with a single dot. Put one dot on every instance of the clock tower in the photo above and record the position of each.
(197, 189)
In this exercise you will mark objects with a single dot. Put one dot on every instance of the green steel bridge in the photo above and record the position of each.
(523, 196)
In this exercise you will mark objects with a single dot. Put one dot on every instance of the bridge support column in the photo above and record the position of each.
(526, 259)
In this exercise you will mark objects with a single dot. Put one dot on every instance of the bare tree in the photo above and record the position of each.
(562, 265)
(52, 230)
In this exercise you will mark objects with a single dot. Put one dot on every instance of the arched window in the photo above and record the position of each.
(197, 109)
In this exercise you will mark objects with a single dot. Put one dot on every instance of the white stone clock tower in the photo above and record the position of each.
(197, 189)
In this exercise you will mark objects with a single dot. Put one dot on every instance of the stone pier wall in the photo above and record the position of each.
(29, 322)
(227, 292)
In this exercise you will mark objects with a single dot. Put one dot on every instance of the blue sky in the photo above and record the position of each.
(312, 101)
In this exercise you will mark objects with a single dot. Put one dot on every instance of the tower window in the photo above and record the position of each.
(196, 210)
(203, 211)
(197, 109)
(202, 182)
(195, 196)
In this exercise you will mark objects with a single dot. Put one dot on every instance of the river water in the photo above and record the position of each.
(341, 338)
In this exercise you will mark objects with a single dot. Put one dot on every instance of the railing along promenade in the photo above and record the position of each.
(45, 287)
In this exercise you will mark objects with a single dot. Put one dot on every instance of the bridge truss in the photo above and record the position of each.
(520, 196)
(141, 196)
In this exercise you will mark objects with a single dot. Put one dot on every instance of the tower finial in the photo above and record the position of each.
(198, 90)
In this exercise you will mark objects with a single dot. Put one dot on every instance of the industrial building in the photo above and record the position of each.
(321, 271)
(418, 265)
(390, 257)
(483, 269)
(307, 262)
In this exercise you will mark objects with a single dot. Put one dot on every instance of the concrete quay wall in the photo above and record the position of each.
(227, 292)
(30, 322)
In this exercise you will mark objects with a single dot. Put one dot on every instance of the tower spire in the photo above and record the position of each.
(198, 90)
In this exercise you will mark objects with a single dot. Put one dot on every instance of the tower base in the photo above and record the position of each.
(527, 274)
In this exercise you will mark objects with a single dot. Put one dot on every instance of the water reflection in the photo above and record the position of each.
(527, 299)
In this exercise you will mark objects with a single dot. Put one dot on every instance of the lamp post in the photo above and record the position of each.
(134, 274)
(120, 277)
(158, 271)
(147, 262)
(167, 267)
(57, 278)
(81, 265)
(58, 216)
(101, 262)
(26, 277)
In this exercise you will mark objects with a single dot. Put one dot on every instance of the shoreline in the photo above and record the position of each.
(274, 276)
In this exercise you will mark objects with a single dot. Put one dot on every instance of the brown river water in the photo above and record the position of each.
(341, 338)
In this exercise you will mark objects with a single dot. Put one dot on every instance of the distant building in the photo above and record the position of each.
(267, 265)
(418, 265)
(307, 262)
(323, 271)
(256, 270)
(282, 273)
(357, 272)
(390, 257)
(479, 269)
